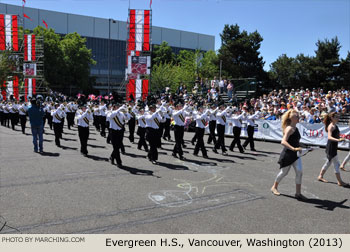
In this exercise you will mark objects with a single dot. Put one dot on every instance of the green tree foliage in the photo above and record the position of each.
(208, 65)
(325, 69)
(77, 60)
(240, 54)
(162, 54)
(67, 60)
(187, 67)
(282, 71)
(5, 67)
(344, 71)
(54, 66)
(163, 75)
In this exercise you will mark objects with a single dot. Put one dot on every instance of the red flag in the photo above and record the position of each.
(45, 24)
(24, 15)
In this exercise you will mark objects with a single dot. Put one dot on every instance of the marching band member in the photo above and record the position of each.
(152, 126)
(250, 128)
(132, 120)
(201, 120)
(116, 124)
(212, 124)
(289, 156)
(221, 117)
(162, 121)
(6, 108)
(141, 129)
(108, 112)
(237, 128)
(12, 114)
(57, 117)
(102, 118)
(179, 117)
(70, 111)
(167, 115)
(334, 138)
(23, 115)
(47, 109)
(96, 116)
(1, 111)
(83, 118)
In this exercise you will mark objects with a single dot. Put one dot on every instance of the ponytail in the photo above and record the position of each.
(286, 118)
(328, 119)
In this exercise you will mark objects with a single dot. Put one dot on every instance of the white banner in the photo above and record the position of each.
(313, 134)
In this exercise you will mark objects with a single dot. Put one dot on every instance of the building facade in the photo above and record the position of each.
(107, 37)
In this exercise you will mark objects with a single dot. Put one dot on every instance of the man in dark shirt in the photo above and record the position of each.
(36, 116)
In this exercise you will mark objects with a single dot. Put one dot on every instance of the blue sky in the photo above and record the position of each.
(287, 26)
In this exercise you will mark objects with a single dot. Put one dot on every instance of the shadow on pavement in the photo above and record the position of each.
(136, 171)
(68, 148)
(173, 166)
(97, 158)
(134, 155)
(328, 205)
(96, 146)
(49, 154)
(68, 139)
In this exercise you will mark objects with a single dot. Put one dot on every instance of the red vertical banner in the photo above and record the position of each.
(15, 88)
(26, 89)
(34, 86)
(144, 89)
(26, 47)
(3, 90)
(132, 25)
(33, 47)
(14, 33)
(131, 89)
(146, 30)
(2, 33)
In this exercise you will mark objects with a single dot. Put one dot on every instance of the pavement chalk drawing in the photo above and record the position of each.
(180, 198)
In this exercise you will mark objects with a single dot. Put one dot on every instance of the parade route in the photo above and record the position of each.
(61, 191)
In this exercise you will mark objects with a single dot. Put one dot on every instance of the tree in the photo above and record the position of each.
(77, 60)
(208, 65)
(5, 66)
(282, 71)
(240, 54)
(67, 60)
(163, 75)
(187, 67)
(327, 62)
(54, 66)
(344, 71)
(162, 54)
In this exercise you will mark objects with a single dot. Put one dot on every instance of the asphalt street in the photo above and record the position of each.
(62, 191)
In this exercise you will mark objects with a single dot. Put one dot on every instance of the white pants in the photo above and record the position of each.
(347, 158)
(298, 168)
(335, 162)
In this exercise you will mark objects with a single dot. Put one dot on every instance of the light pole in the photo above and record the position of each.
(109, 52)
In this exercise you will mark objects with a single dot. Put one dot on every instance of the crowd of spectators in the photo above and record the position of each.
(312, 104)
